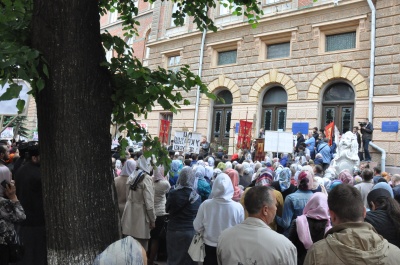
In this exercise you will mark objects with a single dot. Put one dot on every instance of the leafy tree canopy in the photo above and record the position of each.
(136, 88)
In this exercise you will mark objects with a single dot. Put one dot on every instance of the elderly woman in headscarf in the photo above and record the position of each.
(264, 178)
(122, 252)
(121, 184)
(217, 214)
(161, 188)
(176, 167)
(310, 227)
(247, 176)
(201, 185)
(318, 184)
(346, 177)
(182, 205)
(211, 161)
(234, 176)
(139, 215)
(295, 202)
(209, 174)
(283, 184)
(221, 166)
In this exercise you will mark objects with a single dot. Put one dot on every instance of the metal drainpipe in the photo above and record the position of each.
(203, 39)
(372, 78)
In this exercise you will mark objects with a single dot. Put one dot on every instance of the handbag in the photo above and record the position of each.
(15, 249)
(197, 249)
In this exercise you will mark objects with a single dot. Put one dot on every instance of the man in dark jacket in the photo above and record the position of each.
(315, 133)
(396, 187)
(32, 230)
(366, 138)
(300, 140)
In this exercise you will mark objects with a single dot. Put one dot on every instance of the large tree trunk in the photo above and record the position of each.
(74, 111)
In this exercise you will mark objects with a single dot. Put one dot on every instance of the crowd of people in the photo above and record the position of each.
(286, 209)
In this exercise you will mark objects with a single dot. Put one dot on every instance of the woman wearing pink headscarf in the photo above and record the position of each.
(234, 176)
(311, 226)
(346, 177)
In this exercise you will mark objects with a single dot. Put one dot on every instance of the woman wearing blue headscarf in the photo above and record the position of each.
(173, 174)
(283, 183)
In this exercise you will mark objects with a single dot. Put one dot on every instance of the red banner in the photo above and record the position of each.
(164, 131)
(244, 137)
(329, 129)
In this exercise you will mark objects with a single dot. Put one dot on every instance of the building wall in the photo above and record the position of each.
(304, 75)
(387, 79)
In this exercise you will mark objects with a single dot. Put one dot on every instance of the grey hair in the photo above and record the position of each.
(256, 198)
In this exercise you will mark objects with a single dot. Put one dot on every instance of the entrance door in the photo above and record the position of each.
(338, 106)
(222, 120)
(274, 109)
(341, 115)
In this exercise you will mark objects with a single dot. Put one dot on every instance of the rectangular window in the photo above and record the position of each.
(227, 57)
(226, 8)
(279, 50)
(343, 41)
(174, 62)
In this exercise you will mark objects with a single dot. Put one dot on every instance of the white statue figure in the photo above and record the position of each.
(347, 153)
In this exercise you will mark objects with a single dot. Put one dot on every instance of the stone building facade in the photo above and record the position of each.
(305, 62)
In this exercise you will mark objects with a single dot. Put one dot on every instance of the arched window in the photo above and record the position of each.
(338, 106)
(274, 106)
(222, 118)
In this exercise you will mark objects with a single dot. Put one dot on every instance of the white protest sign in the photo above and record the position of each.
(8, 133)
(187, 142)
(278, 142)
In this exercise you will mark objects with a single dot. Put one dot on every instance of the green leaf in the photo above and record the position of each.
(40, 84)
(20, 105)
(12, 92)
(45, 70)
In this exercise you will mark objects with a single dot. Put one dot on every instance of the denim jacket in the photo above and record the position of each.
(293, 207)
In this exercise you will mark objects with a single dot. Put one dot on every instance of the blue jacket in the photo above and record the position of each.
(310, 142)
(293, 207)
(325, 150)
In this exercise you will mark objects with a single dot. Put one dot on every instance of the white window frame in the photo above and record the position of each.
(223, 11)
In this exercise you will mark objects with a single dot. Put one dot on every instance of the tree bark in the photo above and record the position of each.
(74, 112)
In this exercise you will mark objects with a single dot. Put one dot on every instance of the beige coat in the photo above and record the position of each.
(122, 192)
(139, 210)
(355, 244)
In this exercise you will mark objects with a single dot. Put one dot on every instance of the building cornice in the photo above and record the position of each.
(267, 18)
(110, 25)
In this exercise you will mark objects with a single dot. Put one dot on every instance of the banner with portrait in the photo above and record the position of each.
(244, 137)
(164, 131)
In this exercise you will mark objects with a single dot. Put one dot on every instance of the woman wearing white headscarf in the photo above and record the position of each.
(182, 205)
(120, 184)
(122, 252)
(217, 214)
(139, 215)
